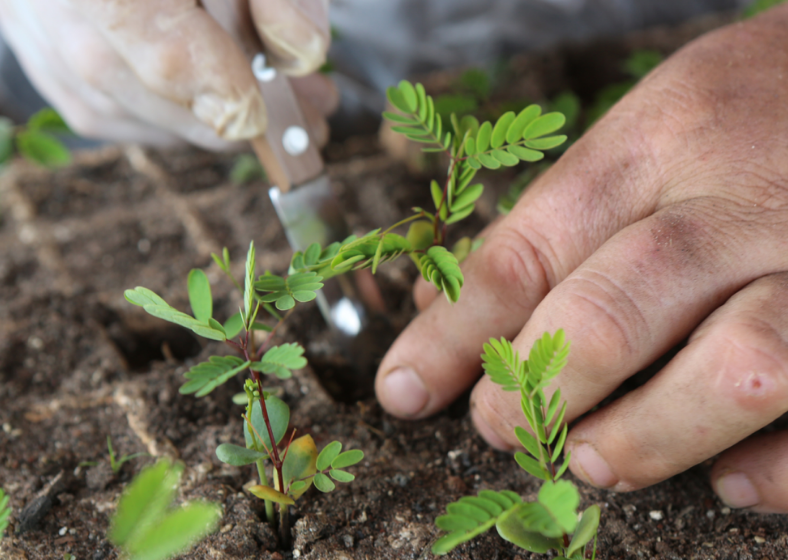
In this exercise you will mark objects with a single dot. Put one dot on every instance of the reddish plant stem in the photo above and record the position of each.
(438, 240)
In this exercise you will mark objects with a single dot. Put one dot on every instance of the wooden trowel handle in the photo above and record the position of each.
(287, 151)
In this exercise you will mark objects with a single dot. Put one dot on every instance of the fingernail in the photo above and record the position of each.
(592, 467)
(736, 490)
(405, 393)
(240, 118)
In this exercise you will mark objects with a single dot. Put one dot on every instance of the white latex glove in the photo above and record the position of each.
(164, 71)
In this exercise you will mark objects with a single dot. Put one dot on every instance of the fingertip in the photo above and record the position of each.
(319, 90)
(402, 392)
(487, 432)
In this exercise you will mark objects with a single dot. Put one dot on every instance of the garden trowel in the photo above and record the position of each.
(302, 195)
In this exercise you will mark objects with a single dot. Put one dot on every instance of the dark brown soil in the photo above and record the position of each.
(77, 363)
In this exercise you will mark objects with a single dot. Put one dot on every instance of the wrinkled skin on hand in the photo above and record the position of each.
(167, 71)
(668, 220)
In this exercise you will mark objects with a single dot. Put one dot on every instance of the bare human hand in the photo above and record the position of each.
(668, 220)
(165, 71)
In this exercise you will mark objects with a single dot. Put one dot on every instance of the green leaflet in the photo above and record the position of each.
(546, 124)
(145, 524)
(499, 133)
(586, 529)
(328, 454)
(42, 148)
(278, 414)
(280, 360)
(471, 516)
(284, 292)
(347, 459)
(48, 120)
(441, 268)
(512, 528)
(207, 376)
(299, 464)
(555, 514)
(323, 483)
(238, 456)
(341, 476)
(5, 512)
(524, 118)
(200, 295)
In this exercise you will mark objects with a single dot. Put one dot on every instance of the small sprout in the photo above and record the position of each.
(115, 463)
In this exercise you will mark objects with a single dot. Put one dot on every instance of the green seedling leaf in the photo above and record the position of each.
(233, 325)
(512, 528)
(249, 285)
(523, 120)
(499, 133)
(505, 158)
(143, 296)
(179, 318)
(300, 463)
(284, 292)
(268, 493)
(503, 364)
(409, 95)
(5, 512)
(145, 525)
(547, 358)
(246, 169)
(200, 295)
(467, 197)
(360, 253)
(586, 529)
(441, 268)
(525, 154)
(341, 476)
(559, 446)
(461, 215)
(564, 466)
(278, 414)
(399, 119)
(531, 466)
(42, 148)
(468, 518)
(207, 376)
(238, 456)
(546, 143)
(483, 137)
(546, 124)
(555, 514)
(48, 120)
(557, 426)
(6, 139)
(397, 100)
(327, 455)
(323, 483)
(281, 360)
(488, 161)
(347, 459)
(527, 440)
(437, 193)
(462, 249)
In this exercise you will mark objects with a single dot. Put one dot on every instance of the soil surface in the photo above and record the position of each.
(78, 363)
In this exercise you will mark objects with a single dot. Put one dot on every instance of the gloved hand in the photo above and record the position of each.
(164, 71)
(666, 222)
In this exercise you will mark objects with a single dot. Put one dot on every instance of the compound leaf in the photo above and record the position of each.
(503, 364)
(207, 376)
(441, 267)
(547, 358)
(284, 292)
(281, 360)
(200, 295)
(471, 516)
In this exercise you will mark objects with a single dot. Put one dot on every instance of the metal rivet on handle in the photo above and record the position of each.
(295, 140)
(261, 71)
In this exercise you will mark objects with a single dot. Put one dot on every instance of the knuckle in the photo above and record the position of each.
(613, 321)
(513, 268)
(754, 373)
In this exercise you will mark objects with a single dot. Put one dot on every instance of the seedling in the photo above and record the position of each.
(5, 512)
(147, 526)
(116, 463)
(37, 140)
(296, 463)
(551, 522)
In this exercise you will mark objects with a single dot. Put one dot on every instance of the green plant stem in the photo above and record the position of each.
(269, 505)
(436, 239)
(284, 525)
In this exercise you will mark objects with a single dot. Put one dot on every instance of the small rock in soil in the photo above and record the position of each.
(348, 541)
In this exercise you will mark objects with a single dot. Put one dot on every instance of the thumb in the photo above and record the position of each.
(295, 32)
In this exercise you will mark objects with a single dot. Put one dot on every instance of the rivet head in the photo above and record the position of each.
(295, 140)
(262, 72)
